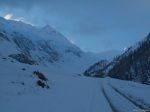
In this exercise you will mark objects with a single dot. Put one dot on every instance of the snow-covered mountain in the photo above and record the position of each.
(96, 69)
(134, 64)
(38, 72)
(29, 56)
(41, 47)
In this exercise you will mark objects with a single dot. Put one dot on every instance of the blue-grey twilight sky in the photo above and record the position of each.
(93, 25)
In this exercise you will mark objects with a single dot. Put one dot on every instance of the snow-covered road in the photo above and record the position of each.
(83, 95)
(79, 94)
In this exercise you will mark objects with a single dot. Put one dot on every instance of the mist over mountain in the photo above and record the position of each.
(106, 55)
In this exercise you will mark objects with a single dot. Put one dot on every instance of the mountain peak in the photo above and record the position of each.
(48, 28)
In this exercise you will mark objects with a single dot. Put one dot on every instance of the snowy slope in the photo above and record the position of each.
(38, 73)
(19, 92)
(41, 46)
(66, 93)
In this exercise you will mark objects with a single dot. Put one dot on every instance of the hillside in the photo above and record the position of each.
(45, 46)
(134, 64)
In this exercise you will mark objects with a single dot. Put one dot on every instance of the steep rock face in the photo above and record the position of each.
(134, 64)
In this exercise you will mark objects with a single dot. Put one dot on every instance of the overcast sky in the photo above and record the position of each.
(93, 25)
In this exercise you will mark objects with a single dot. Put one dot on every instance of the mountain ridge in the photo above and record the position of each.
(133, 64)
(40, 46)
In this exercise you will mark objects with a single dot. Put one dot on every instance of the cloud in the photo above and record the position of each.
(23, 20)
(87, 21)
(8, 16)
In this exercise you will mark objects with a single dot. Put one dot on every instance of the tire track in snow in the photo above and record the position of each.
(97, 100)
(142, 107)
(108, 100)
(113, 108)
(117, 102)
